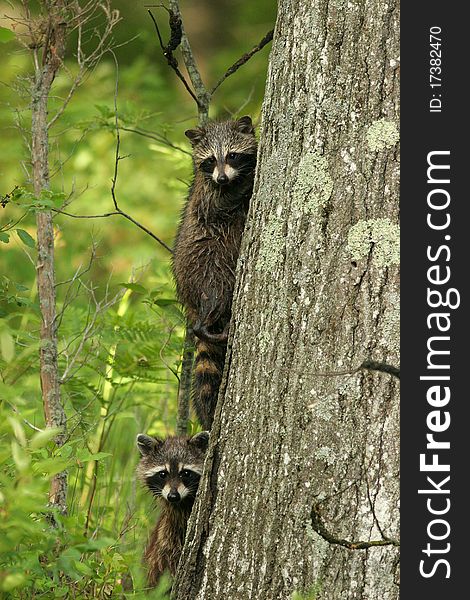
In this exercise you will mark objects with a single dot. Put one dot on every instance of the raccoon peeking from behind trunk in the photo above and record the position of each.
(171, 470)
(208, 243)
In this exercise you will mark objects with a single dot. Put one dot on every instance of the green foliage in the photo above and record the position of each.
(6, 35)
(120, 328)
(120, 385)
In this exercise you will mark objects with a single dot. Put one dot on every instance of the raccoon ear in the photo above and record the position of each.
(147, 444)
(200, 440)
(245, 125)
(194, 136)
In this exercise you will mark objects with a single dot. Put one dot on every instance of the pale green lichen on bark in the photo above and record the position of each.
(313, 186)
(390, 337)
(324, 408)
(325, 454)
(382, 235)
(264, 340)
(382, 134)
(271, 244)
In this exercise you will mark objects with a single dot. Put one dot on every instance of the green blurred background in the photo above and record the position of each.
(124, 379)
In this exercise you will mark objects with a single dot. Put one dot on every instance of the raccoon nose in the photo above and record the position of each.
(173, 497)
(222, 178)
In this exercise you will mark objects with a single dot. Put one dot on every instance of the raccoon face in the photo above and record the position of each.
(224, 151)
(172, 468)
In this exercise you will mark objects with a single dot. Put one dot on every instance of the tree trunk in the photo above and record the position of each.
(53, 53)
(184, 388)
(300, 490)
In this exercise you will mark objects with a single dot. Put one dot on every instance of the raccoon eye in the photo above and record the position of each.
(162, 474)
(208, 164)
(232, 155)
(185, 473)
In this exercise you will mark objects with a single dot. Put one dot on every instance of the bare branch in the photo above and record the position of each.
(117, 210)
(160, 353)
(110, 214)
(25, 421)
(243, 59)
(319, 527)
(155, 136)
(76, 83)
(116, 166)
(373, 365)
(203, 96)
(168, 52)
(88, 331)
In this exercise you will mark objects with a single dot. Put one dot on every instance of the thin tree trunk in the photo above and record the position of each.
(300, 489)
(184, 389)
(53, 54)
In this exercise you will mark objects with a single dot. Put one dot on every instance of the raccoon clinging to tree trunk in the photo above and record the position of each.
(208, 243)
(171, 470)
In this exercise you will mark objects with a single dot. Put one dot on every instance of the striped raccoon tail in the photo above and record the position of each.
(208, 369)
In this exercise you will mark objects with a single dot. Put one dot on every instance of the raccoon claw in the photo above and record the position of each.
(202, 332)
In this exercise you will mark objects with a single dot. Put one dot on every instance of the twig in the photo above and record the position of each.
(243, 59)
(203, 96)
(88, 331)
(160, 353)
(319, 527)
(86, 62)
(372, 365)
(117, 210)
(168, 53)
(116, 164)
(155, 136)
(25, 421)
(120, 212)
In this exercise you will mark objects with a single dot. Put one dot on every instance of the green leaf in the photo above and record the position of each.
(22, 460)
(6, 35)
(104, 110)
(4, 237)
(165, 301)
(85, 455)
(17, 430)
(26, 238)
(51, 466)
(99, 455)
(99, 544)
(41, 438)
(12, 581)
(67, 561)
(82, 568)
(7, 346)
(135, 287)
(21, 288)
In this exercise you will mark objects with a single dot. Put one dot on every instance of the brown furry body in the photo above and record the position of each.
(171, 470)
(208, 243)
(166, 541)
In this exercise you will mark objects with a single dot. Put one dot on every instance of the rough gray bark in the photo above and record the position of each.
(300, 490)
